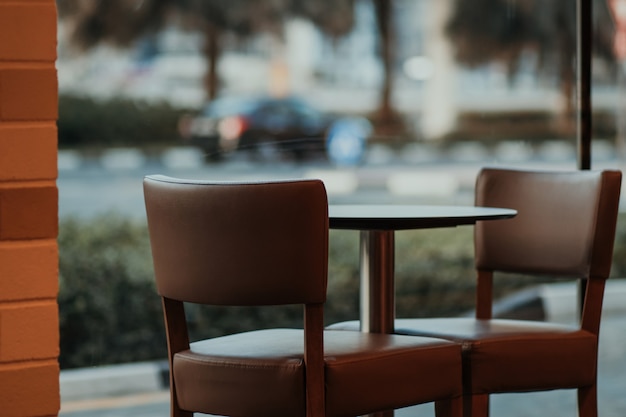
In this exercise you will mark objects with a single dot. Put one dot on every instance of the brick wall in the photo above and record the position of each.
(29, 337)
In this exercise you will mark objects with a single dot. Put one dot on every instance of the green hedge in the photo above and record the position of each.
(108, 310)
(534, 126)
(110, 313)
(89, 123)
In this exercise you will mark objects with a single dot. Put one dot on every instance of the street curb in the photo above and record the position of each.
(416, 153)
(113, 380)
(413, 174)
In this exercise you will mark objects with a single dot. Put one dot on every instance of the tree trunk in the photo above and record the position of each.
(383, 20)
(566, 124)
(439, 109)
(212, 52)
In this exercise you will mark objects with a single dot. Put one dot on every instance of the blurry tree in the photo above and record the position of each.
(484, 31)
(384, 21)
(122, 22)
(335, 18)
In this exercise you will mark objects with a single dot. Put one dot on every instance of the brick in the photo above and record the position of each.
(28, 94)
(29, 384)
(29, 331)
(28, 270)
(30, 389)
(20, 42)
(28, 152)
(28, 212)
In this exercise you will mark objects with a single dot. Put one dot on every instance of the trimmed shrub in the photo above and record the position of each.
(110, 312)
(88, 123)
(108, 309)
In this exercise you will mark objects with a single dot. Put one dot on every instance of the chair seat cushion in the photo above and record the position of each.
(515, 355)
(261, 373)
(510, 355)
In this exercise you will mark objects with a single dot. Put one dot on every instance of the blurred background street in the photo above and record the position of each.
(415, 174)
(387, 101)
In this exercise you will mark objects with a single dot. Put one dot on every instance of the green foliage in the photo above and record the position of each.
(343, 276)
(109, 309)
(110, 312)
(534, 126)
(484, 31)
(434, 272)
(89, 123)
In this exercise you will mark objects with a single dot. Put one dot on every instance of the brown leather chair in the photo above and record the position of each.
(565, 227)
(261, 244)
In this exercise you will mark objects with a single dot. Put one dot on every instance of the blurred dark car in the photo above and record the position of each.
(233, 123)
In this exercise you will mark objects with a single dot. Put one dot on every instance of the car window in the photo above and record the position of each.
(306, 112)
(228, 106)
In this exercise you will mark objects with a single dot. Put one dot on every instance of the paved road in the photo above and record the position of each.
(414, 175)
(113, 182)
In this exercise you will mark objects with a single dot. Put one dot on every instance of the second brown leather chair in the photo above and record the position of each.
(565, 227)
(267, 244)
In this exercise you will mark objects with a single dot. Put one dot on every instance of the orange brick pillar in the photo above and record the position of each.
(29, 335)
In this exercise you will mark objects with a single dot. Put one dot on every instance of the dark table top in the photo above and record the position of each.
(405, 217)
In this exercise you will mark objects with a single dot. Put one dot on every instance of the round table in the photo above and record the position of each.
(377, 224)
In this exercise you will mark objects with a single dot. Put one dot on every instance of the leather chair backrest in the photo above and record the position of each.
(239, 244)
(565, 223)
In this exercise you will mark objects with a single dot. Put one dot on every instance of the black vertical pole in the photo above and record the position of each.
(584, 44)
(584, 33)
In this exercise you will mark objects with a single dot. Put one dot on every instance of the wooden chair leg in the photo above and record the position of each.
(476, 405)
(588, 401)
(449, 408)
(175, 410)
